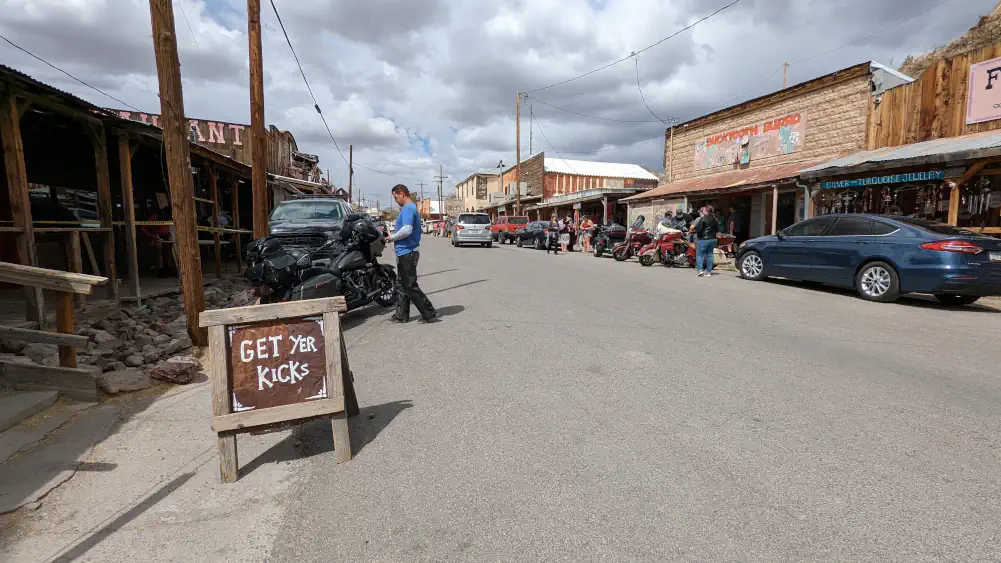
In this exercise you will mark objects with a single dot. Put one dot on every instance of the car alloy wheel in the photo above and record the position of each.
(876, 282)
(751, 266)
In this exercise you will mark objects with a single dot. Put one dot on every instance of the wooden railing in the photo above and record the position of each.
(67, 379)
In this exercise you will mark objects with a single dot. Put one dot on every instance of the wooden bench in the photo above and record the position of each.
(73, 382)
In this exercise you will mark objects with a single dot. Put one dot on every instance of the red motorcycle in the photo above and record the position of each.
(673, 249)
(636, 238)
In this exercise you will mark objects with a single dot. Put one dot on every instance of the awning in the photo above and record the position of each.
(928, 153)
(734, 180)
(583, 196)
(511, 201)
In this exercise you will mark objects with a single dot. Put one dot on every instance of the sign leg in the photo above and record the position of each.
(342, 439)
(229, 465)
(350, 399)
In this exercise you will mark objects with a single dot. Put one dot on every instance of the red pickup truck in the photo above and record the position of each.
(505, 227)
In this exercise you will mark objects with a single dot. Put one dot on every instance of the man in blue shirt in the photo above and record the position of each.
(407, 240)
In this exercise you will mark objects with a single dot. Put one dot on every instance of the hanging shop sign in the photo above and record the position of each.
(983, 99)
(769, 138)
(881, 180)
(277, 364)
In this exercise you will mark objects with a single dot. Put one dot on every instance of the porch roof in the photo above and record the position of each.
(728, 181)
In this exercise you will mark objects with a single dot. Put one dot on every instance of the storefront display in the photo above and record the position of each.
(980, 203)
(928, 200)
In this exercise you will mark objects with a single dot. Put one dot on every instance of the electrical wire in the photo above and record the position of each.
(554, 148)
(180, 4)
(590, 116)
(648, 47)
(94, 88)
(642, 97)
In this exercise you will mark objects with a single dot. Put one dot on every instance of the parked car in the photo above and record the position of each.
(472, 228)
(880, 256)
(505, 228)
(309, 223)
(534, 235)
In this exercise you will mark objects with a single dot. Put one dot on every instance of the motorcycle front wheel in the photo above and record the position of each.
(388, 297)
(647, 259)
(621, 255)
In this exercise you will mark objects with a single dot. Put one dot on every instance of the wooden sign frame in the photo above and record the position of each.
(340, 402)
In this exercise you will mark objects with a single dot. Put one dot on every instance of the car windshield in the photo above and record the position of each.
(518, 220)
(938, 228)
(473, 219)
(306, 210)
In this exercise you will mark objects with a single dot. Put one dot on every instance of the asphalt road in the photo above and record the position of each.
(578, 409)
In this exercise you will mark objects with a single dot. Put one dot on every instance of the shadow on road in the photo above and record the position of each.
(358, 317)
(316, 437)
(450, 310)
(98, 536)
(438, 272)
(444, 289)
(908, 300)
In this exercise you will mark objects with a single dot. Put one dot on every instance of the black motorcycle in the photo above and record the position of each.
(605, 238)
(354, 272)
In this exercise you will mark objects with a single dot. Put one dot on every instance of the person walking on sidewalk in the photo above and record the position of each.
(705, 229)
(407, 241)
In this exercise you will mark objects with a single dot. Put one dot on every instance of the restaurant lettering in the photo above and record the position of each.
(200, 131)
(881, 180)
(778, 136)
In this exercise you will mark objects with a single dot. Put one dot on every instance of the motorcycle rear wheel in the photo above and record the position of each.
(599, 250)
(388, 297)
(647, 260)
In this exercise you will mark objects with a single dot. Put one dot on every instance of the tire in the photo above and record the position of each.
(647, 260)
(957, 300)
(538, 244)
(390, 299)
(752, 267)
(519, 243)
(620, 255)
(599, 251)
(877, 281)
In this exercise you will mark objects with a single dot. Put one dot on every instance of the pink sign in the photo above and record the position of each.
(984, 98)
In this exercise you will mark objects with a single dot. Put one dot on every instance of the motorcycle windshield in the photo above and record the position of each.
(638, 223)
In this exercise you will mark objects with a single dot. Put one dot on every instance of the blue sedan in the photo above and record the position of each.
(880, 256)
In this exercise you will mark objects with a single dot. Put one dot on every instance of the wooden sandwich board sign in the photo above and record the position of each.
(277, 364)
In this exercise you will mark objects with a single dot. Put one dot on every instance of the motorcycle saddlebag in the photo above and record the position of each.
(323, 285)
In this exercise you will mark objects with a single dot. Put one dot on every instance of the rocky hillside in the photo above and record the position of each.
(986, 32)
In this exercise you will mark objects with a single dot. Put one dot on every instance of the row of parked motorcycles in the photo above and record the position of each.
(666, 246)
(353, 272)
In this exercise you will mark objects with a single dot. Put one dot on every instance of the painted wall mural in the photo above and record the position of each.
(773, 137)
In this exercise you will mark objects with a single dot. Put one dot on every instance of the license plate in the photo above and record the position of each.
(995, 256)
(474, 232)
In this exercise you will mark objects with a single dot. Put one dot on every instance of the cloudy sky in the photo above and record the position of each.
(415, 84)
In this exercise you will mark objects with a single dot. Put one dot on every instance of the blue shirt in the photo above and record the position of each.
(408, 216)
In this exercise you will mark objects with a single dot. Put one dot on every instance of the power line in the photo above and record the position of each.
(648, 47)
(591, 116)
(642, 97)
(554, 148)
(180, 4)
(316, 105)
(96, 89)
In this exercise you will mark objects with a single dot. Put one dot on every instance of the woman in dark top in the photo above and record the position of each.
(705, 229)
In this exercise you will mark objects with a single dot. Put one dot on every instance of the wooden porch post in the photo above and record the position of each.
(954, 195)
(775, 209)
(20, 205)
(129, 212)
(104, 205)
(237, 241)
(214, 190)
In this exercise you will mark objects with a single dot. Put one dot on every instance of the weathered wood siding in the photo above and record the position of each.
(932, 107)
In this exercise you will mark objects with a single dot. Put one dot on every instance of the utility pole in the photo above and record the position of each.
(421, 184)
(258, 139)
(785, 75)
(175, 140)
(517, 144)
(351, 169)
(441, 178)
(531, 129)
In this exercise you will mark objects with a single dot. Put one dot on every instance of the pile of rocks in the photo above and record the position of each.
(149, 341)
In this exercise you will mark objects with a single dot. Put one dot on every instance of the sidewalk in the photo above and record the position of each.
(146, 480)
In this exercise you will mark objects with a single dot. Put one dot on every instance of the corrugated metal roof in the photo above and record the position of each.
(727, 180)
(598, 169)
(937, 151)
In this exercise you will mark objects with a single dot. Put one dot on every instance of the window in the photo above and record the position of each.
(810, 227)
(851, 226)
(938, 228)
(473, 219)
(519, 220)
(880, 228)
(307, 210)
